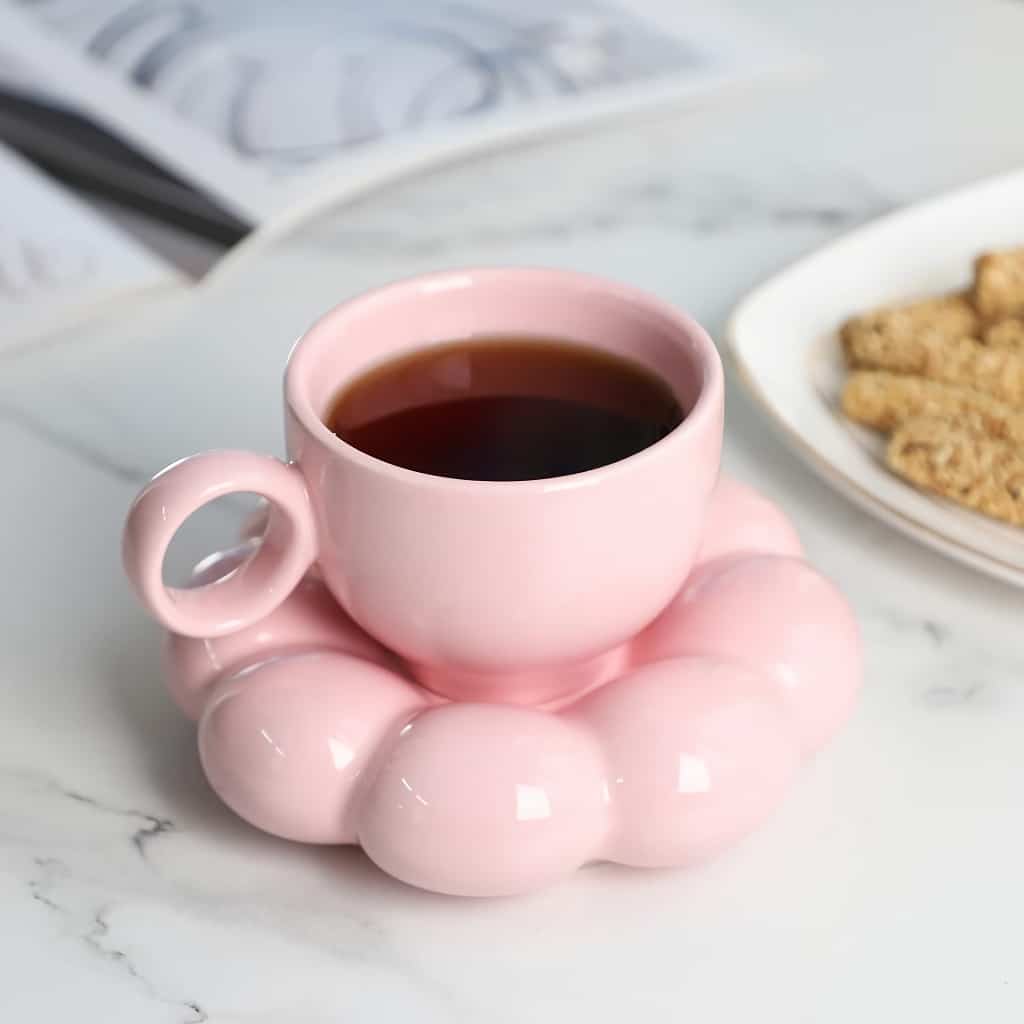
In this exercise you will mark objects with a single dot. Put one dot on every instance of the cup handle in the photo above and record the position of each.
(256, 587)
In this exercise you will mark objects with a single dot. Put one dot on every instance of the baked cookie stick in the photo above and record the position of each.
(882, 400)
(999, 284)
(951, 316)
(962, 361)
(954, 461)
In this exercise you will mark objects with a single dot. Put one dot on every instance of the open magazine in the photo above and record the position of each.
(259, 107)
(59, 260)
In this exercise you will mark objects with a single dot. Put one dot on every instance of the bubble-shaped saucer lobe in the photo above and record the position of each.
(285, 744)
(741, 519)
(698, 753)
(485, 800)
(778, 616)
(308, 619)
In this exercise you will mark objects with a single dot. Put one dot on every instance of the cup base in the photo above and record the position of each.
(547, 688)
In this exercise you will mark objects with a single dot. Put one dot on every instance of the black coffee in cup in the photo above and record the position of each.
(505, 408)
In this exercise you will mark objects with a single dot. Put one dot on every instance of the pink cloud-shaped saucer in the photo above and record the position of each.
(310, 730)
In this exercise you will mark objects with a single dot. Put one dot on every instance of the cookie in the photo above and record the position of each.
(999, 284)
(955, 461)
(950, 316)
(1008, 334)
(963, 361)
(884, 400)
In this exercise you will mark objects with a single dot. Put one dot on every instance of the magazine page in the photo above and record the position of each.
(58, 259)
(54, 133)
(261, 105)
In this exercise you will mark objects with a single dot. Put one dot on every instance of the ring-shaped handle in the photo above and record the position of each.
(259, 584)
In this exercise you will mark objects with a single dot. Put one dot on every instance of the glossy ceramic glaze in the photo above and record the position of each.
(491, 590)
(308, 730)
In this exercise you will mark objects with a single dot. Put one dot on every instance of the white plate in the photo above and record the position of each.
(784, 342)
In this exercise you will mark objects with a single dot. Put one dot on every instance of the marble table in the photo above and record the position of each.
(889, 886)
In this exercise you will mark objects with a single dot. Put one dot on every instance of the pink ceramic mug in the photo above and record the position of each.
(479, 585)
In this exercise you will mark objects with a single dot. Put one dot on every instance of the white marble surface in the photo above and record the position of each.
(888, 888)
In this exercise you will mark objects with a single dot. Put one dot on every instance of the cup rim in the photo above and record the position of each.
(709, 399)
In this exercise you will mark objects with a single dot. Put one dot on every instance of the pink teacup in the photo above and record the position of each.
(503, 591)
